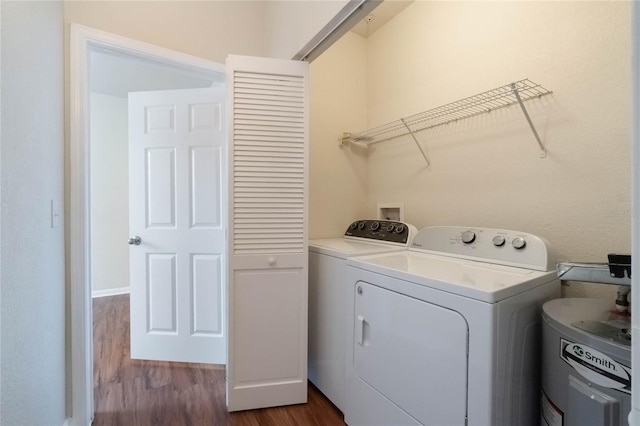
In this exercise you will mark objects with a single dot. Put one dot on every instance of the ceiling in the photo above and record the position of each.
(380, 16)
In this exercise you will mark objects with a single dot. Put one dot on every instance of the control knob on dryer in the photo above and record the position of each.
(390, 228)
(361, 226)
(400, 229)
(518, 243)
(375, 226)
(498, 240)
(468, 237)
(354, 225)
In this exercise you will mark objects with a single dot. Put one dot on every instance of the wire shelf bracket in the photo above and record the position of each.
(517, 92)
(543, 150)
(413, 135)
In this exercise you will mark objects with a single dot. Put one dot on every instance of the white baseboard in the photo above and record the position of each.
(110, 292)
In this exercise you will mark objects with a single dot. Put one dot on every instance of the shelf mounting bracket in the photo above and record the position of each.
(345, 139)
(417, 143)
(543, 150)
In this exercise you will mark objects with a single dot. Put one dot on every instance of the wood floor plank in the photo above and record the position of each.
(157, 393)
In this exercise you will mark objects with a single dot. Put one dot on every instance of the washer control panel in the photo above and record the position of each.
(511, 248)
(380, 230)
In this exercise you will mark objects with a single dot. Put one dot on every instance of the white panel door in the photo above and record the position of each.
(177, 187)
(267, 355)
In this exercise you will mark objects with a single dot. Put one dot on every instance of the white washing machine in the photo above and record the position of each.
(448, 332)
(328, 292)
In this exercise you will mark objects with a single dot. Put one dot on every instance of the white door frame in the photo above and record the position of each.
(83, 39)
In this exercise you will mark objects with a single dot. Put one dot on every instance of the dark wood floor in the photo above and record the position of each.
(139, 393)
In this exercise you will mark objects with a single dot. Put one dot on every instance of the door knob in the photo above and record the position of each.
(135, 241)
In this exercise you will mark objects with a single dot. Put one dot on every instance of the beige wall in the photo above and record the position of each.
(211, 29)
(486, 171)
(338, 176)
(291, 25)
(207, 29)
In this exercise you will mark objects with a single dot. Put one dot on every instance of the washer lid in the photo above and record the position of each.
(487, 282)
(344, 248)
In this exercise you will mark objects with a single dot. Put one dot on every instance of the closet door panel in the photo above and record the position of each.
(267, 233)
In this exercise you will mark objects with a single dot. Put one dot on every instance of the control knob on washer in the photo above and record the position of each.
(399, 229)
(375, 226)
(354, 225)
(361, 226)
(518, 243)
(390, 228)
(468, 237)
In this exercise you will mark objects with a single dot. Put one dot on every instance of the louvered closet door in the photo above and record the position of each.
(267, 360)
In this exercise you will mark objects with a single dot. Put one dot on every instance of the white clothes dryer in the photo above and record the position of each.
(327, 295)
(448, 332)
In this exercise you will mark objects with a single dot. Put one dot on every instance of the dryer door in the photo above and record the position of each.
(413, 353)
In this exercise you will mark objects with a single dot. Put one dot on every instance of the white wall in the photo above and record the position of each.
(338, 176)
(109, 193)
(486, 170)
(32, 252)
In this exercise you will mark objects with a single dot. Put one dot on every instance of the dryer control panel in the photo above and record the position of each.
(500, 246)
(381, 230)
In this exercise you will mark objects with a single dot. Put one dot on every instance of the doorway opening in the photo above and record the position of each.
(112, 77)
(104, 69)
(130, 135)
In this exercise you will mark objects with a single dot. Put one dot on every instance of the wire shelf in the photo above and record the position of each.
(491, 100)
